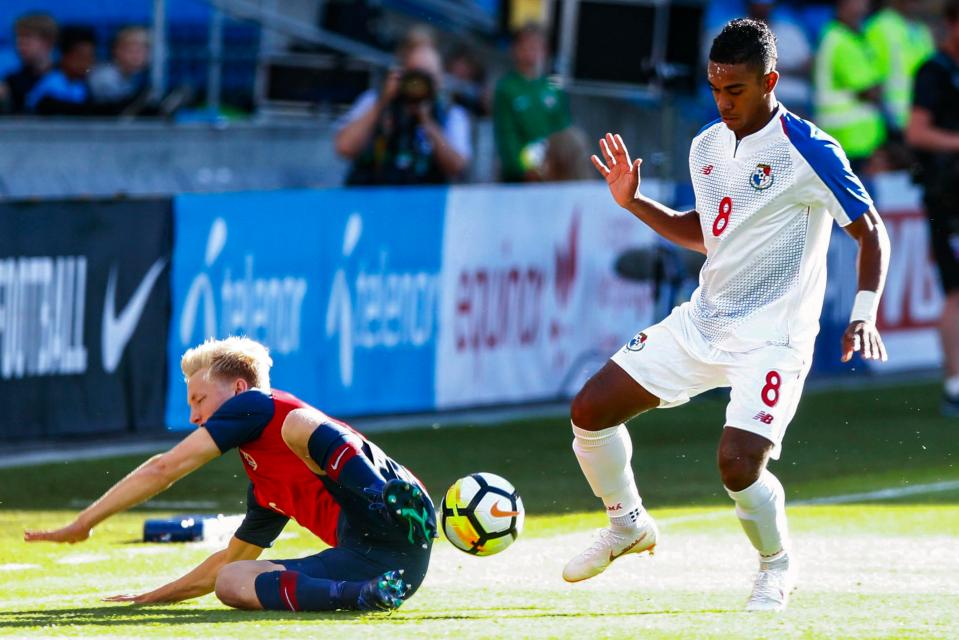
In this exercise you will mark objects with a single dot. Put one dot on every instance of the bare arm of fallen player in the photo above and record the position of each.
(144, 482)
(622, 177)
(198, 582)
(873, 261)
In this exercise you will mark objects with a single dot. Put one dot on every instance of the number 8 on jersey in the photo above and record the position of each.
(722, 220)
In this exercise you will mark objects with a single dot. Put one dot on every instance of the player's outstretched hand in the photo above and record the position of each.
(143, 598)
(73, 532)
(863, 337)
(621, 173)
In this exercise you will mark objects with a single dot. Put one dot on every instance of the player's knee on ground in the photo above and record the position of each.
(235, 585)
(741, 461)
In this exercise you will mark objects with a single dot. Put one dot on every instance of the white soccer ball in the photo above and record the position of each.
(482, 514)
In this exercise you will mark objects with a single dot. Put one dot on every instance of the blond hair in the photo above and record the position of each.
(229, 359)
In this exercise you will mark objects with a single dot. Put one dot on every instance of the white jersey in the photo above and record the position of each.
(766, 206)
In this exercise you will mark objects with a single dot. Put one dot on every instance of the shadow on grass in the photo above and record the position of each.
(125, 615)
(113, 616)
(544, 613)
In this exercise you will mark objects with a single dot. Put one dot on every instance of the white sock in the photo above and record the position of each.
(761, 508)
(952, 386)
(604, 458)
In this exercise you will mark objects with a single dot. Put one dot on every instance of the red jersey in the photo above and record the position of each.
(281, 483)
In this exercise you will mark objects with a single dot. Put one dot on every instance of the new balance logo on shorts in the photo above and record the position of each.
(763, 417)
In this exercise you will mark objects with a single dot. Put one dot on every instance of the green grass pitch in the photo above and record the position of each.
(886, 569)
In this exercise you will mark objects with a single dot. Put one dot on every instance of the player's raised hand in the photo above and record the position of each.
(863, 337)
(621, 173)
(73, 532)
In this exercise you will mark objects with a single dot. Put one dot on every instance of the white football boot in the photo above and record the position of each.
(775, 581)
(609, 545)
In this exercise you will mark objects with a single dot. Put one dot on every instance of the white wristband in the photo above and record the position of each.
(866, 307)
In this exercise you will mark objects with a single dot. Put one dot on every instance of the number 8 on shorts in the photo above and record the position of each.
(770, 392)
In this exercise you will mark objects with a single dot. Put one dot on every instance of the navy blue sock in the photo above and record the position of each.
(339, 453)
(295, 591)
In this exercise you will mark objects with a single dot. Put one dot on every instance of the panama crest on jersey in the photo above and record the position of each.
(762, 178)
(638, 343)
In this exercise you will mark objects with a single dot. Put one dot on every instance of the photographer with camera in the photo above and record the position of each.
(933, 131)
(406, 133)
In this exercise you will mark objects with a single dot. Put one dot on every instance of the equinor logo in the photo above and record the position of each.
(266, 309)
(377, 307)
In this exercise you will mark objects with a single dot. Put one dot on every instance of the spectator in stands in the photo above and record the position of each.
(125, 77)
(467, 81)
(64, 90)
(848, 85)
(406, 133)
(36, 38)
(933, 130)
(567, 157)
(527, 108)
(901, 43)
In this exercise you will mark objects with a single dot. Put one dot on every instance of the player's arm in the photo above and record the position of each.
(873, 261)
(622, 177)
(144, 482)
(198, 582)
(259, 529)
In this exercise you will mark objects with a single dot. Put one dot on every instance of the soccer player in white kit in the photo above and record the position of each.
(768, 186)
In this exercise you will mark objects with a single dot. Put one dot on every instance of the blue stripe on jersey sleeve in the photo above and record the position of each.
(716, 121)
(828, 160)
(240, 419)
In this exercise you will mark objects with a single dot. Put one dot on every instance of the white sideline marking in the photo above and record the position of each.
(83, 558)
(148, 550)
(845, 498)
(14, 566)
(883, 494)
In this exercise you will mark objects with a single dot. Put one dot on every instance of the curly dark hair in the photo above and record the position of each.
(745, 41)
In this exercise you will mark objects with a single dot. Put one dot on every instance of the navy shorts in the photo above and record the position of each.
(364, 556)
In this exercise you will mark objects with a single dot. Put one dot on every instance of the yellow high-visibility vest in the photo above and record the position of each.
(901, 46)
(845, 65)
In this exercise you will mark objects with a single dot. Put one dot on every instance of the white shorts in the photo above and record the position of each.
(674, 362)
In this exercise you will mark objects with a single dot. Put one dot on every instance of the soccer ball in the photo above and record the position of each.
(482, 514)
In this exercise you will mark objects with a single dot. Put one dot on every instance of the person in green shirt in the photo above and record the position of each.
(848, 85)
(527, 108)
(901, 43)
